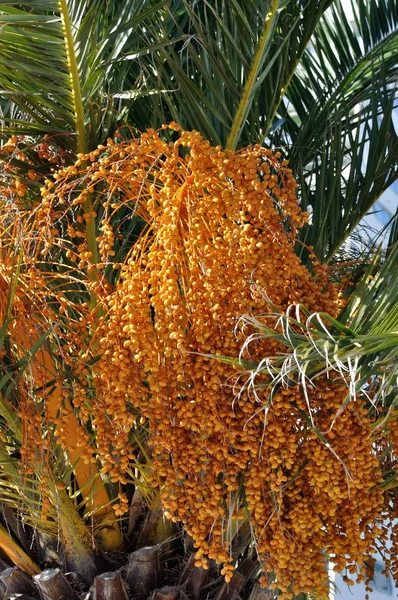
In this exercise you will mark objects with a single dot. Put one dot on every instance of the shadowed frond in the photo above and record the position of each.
(338, 128)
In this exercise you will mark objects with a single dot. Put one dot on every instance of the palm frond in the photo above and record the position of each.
(393, 238)
(60, 66)
(338, 128)
(228, 73)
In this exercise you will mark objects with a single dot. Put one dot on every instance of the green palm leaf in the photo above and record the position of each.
(59, 65)
(338, 129)
(228, 73)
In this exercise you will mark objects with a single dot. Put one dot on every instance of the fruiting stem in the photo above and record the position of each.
(16, 554)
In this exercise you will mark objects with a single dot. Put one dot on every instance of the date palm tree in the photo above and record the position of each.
(299, 77)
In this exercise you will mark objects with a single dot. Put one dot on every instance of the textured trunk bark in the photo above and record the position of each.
(17, 582)
(156, 529)
(194, 579)
(142, 572)
(232, 588)
(259, 593)
(110, 586)
(53, 585)
(79, 544)
(166, 593)
(136, 511)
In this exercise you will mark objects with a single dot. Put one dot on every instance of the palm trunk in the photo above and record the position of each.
(79, 543)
